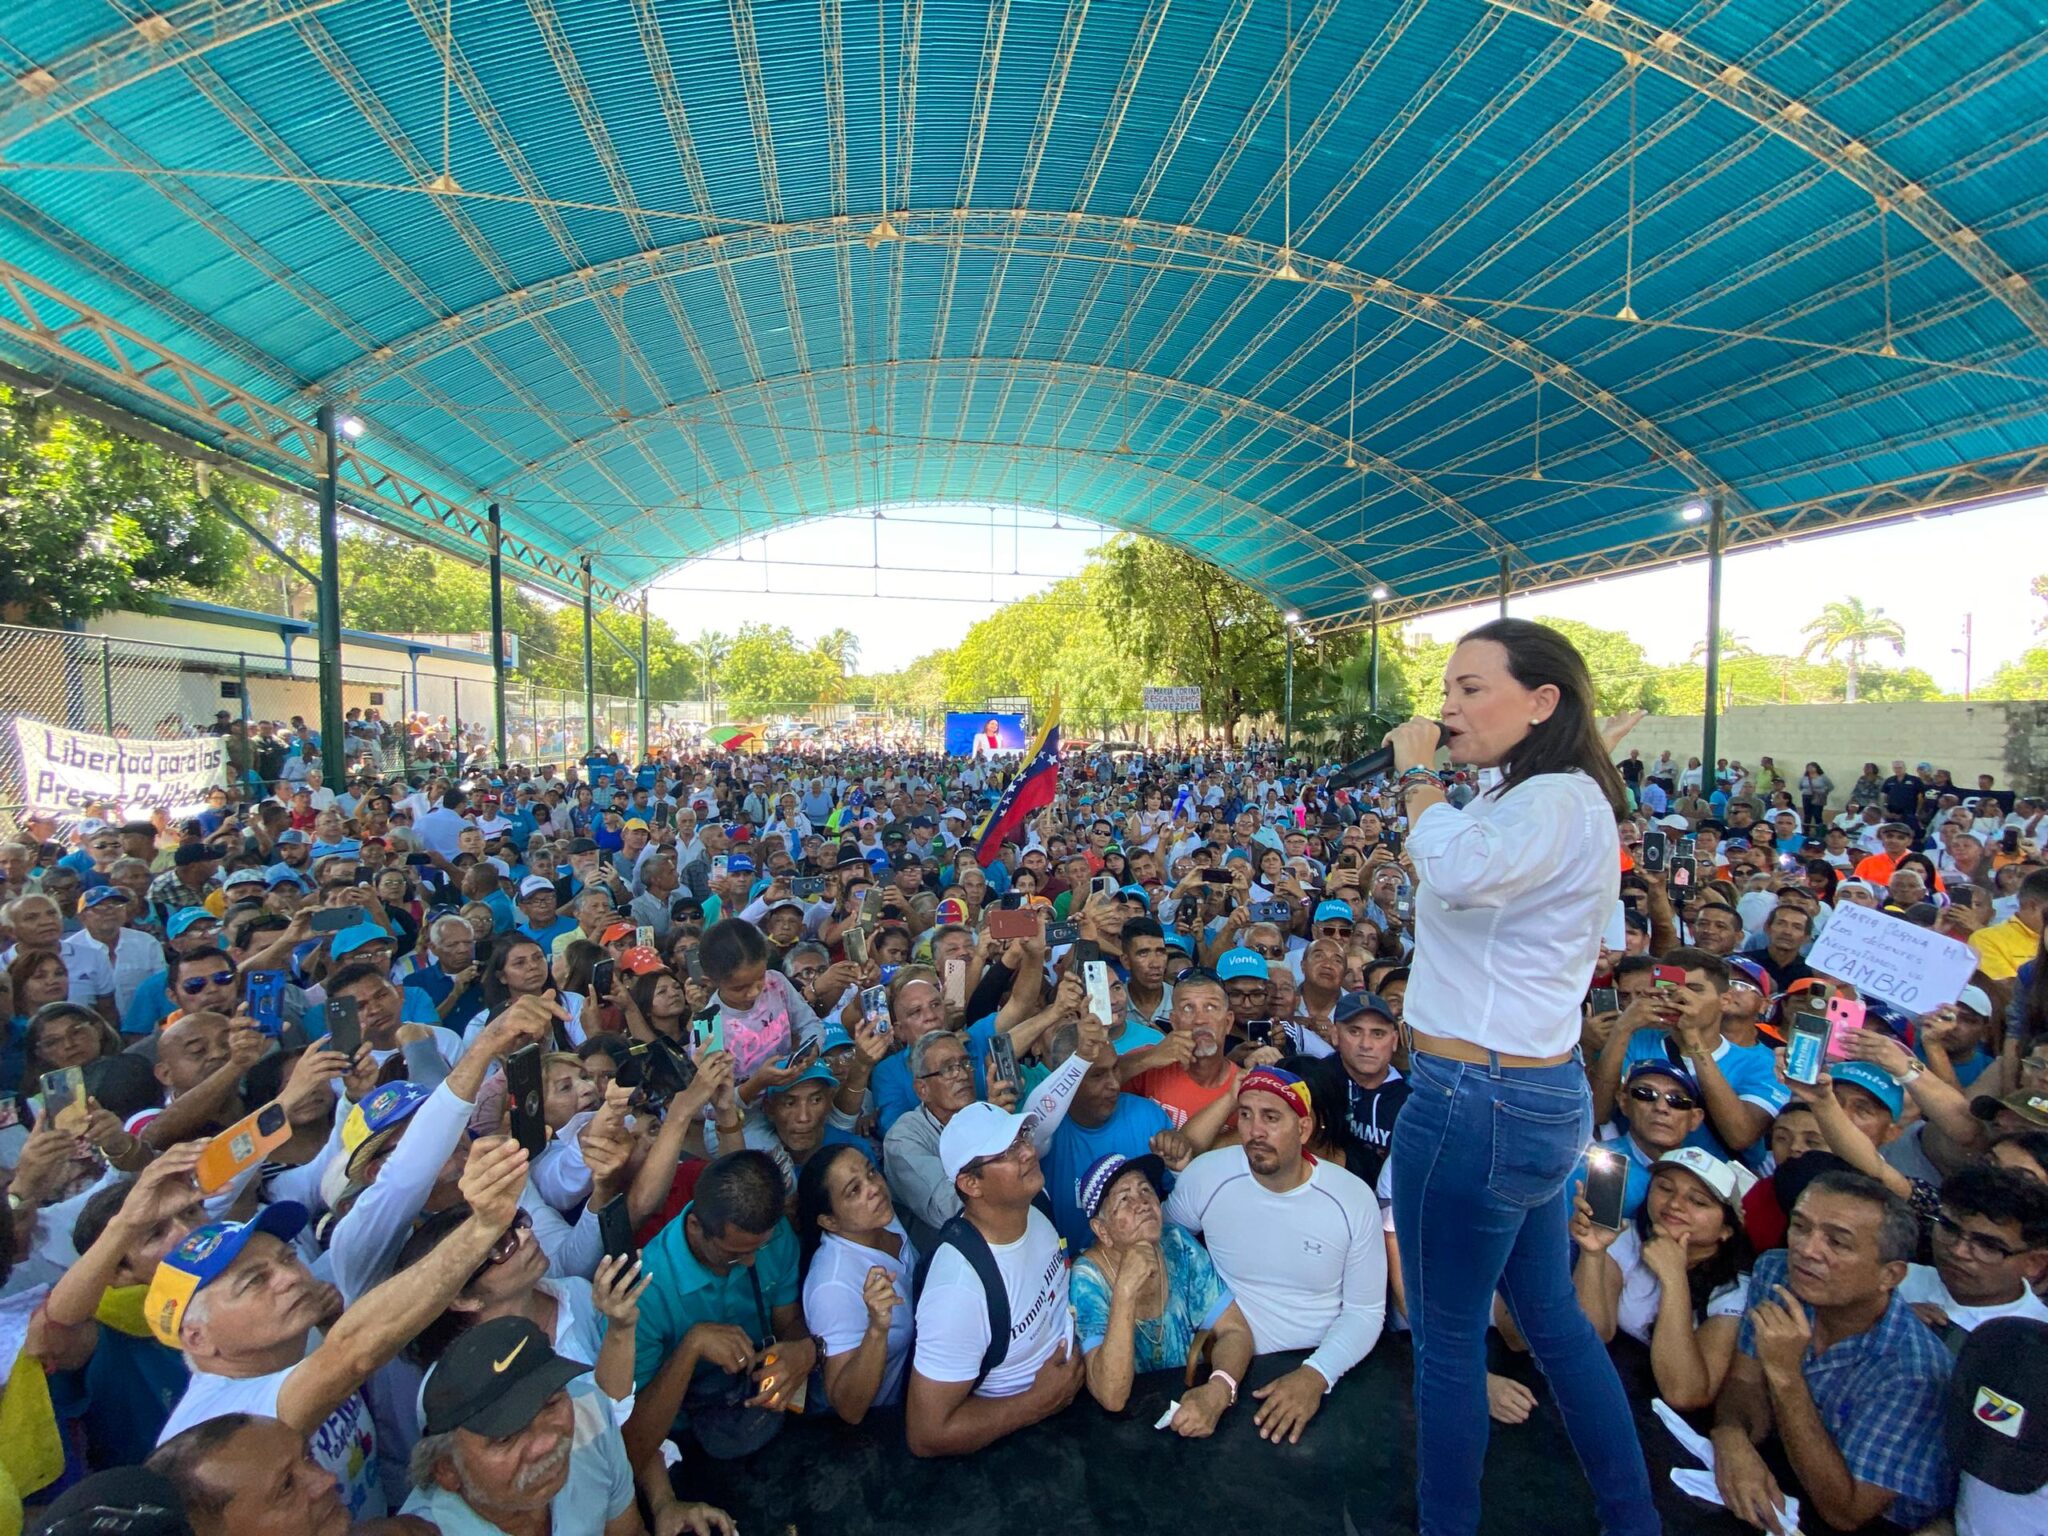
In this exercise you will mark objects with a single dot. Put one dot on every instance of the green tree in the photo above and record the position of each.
(93, 520)
(765, 667)
(2023, 678)
(1186, 622)
(1847, 628)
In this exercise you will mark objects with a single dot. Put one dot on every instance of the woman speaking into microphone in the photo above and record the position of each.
(1515, 892)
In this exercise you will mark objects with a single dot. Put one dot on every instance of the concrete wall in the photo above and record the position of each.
(2009, 741)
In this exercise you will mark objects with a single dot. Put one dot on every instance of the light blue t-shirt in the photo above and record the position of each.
(599, 1489)
(1751, 1071)
(1195, 1297)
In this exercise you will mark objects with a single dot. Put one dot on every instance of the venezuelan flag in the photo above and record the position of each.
(1027, 794)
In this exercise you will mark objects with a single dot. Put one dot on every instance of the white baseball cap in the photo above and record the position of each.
(979, 1130)
(1976, 1000)
(1729, 1181)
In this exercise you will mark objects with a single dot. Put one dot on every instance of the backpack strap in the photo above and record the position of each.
(961, 1234)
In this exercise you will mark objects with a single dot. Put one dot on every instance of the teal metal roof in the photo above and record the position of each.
(1564, 268)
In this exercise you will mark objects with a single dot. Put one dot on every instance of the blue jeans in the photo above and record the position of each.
(1481, 1155)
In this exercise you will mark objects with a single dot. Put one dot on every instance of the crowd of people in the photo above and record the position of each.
(483, 1153)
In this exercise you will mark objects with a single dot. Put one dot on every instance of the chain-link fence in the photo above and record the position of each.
(112, 685)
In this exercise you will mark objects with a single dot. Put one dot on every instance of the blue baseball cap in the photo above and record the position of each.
(184, 918)
(739, 864)
(349, 940)
(284, 874)
(1334, 912)
(1873, 1080)
(349, 849)
(1175, 939)
(816, 1072)
(100, 895)
(834, 1038)
(1672, 1070)
(1136, 893)
(293, 835)
(363, 1131)
(203, 1257)
(1239, 964)
(1351, 1004)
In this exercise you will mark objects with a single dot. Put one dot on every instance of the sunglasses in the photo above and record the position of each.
(508, 1241)
(192, 986)
(1642, 1093)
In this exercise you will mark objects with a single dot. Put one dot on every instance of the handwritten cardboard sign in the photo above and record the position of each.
(1888, 957)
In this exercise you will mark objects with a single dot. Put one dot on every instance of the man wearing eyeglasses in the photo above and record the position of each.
(1990, 1251)
(942, 1076)
(1661, 1104)
(1738, 1083)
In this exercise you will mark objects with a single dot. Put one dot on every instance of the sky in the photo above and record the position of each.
(944, 568)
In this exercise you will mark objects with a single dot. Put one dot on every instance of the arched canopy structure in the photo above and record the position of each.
(1341, 294)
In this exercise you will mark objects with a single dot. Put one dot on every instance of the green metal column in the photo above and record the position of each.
(1374, 695)
(242, 682)
(1710, 730)
(1505, 578)
(498, 630)
(1287, 719)
(107, 684)
(589, 671)
(643, 676)
(329, 597)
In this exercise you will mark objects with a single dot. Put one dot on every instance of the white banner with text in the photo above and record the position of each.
(70, 771)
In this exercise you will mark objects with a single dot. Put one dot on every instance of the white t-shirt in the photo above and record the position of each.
(838, 1314)
(1308, 1267)
(346, 1444)
(952, 1314)
(1982, 1510)
(1642, 1293)
(1923, 1283)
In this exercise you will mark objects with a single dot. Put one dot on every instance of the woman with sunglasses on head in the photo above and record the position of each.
(1521, 883)
(518, 967)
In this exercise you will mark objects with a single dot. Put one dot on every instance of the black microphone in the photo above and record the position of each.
(1374, 764)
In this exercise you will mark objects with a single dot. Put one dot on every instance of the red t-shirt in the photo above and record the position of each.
(1176, 1092)
(681, 1191)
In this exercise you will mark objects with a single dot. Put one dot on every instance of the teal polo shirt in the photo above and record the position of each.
(684, 1293)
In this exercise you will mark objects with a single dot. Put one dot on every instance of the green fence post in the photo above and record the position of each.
(242, 684)
(107, 684)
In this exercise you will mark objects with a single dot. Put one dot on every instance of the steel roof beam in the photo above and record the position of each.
(1047, 371)
(1672, 53)
(1956, 489)
(1253, 259)
(81, 344)
(166, 40)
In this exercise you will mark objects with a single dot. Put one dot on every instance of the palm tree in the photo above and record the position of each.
(1731, 645)
(1850, 628)
(842, 648)
(711, 647)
